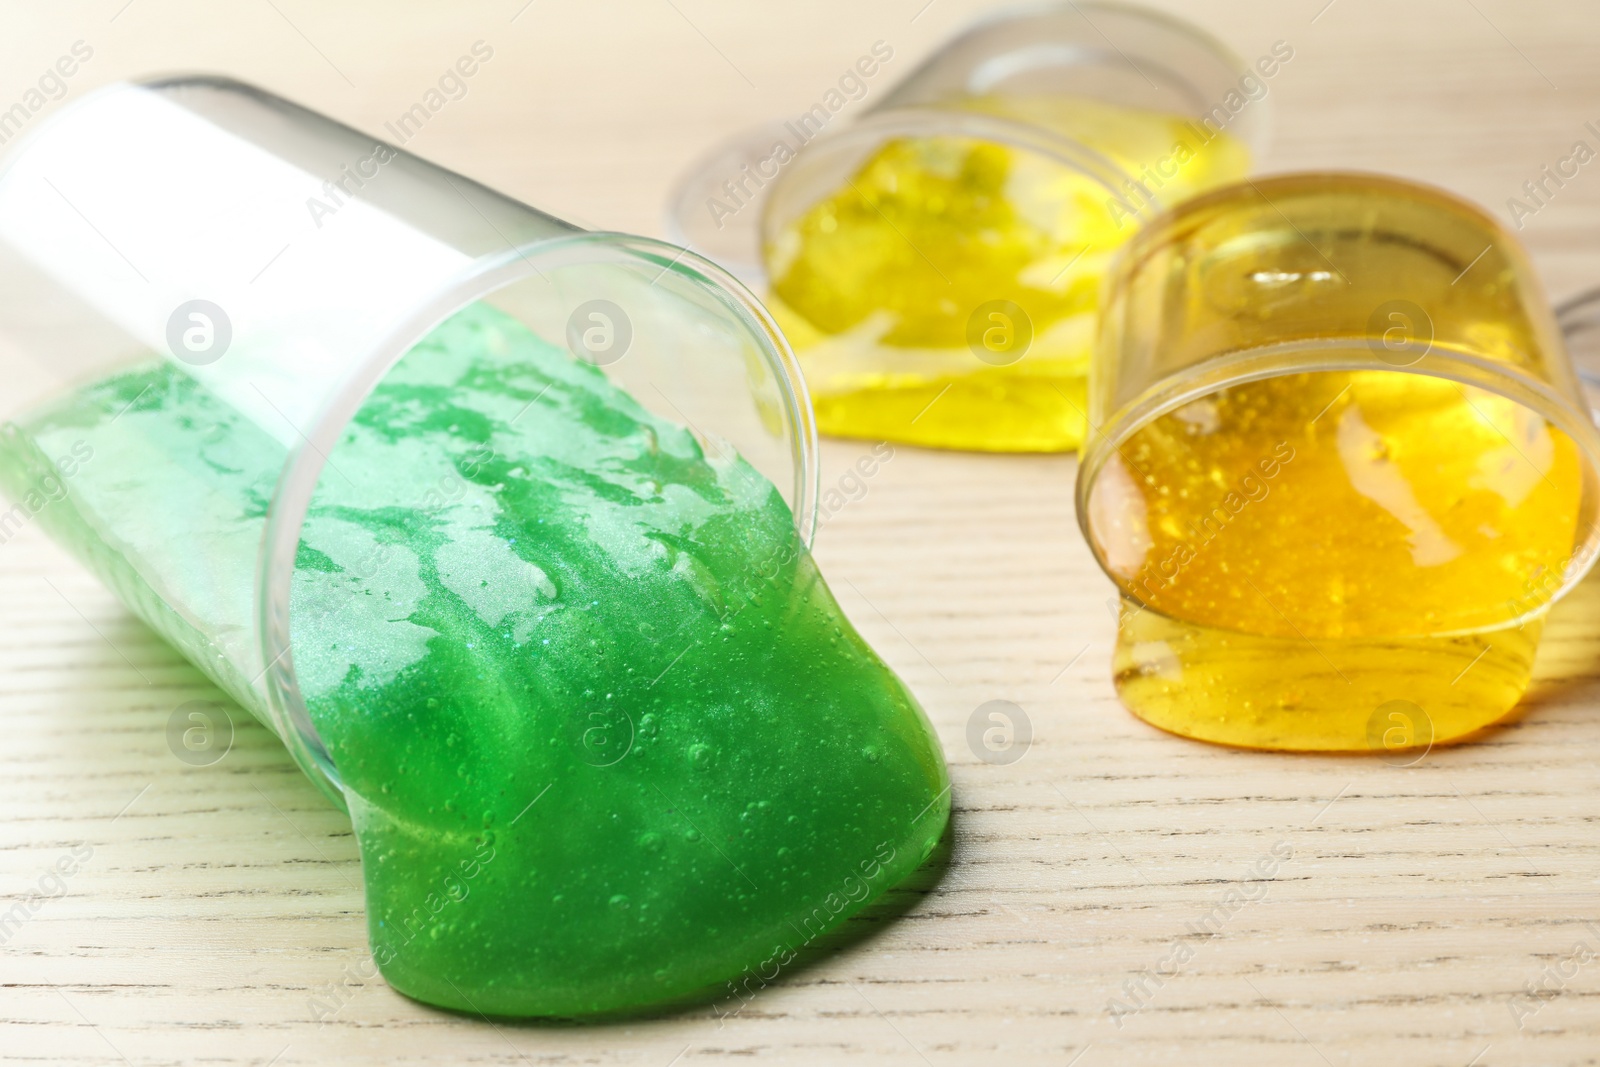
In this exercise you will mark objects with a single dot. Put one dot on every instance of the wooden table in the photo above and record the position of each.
(1416, 905)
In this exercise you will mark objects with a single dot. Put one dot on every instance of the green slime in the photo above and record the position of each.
(606, 739)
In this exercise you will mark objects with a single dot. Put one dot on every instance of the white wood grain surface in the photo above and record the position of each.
(1409, 911)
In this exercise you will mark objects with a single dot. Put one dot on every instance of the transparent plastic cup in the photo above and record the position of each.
(1341, 466)
(936, 262)
(501, 526)
(287, 263)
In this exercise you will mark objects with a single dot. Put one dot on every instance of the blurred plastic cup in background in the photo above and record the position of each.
(936, 263)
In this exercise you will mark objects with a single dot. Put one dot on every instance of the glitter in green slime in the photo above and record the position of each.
(606, 739)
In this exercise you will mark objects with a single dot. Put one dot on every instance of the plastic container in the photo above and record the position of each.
(1342, 466)
(500, 525)
(288, 262)
(936, 262)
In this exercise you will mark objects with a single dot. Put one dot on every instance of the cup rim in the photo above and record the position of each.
(922, 121)
(1282, 359)
(298, 479)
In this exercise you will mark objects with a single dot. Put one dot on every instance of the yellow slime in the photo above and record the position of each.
(1354, 579)
(889, 289)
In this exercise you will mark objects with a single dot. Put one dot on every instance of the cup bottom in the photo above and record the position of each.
(1393, 697)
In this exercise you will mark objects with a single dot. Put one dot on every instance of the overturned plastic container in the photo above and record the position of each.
(936, 262)
(500, 525)
(1343, 466)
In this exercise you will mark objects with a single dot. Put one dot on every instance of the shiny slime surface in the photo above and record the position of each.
(881, 286)
(606, 738)
(1305, 558)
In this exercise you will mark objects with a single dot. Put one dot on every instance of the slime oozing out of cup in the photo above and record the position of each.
(1352, 539)
(888, 288)
(606, 738)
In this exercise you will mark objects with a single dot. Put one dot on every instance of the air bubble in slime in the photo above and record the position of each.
(937, 264)
(482, 515)
(1346, 467)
